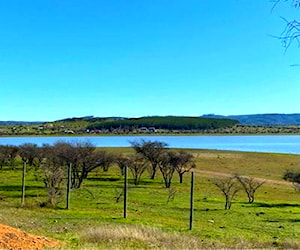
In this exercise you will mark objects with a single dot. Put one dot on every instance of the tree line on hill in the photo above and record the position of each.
(165, 123)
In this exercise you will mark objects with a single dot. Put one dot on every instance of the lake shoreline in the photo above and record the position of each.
(287, 144)
(153, 134)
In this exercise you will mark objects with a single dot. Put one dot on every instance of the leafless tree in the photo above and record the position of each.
(28, 152)
(136, 163)
(107, 159)
(83, 162)
(229, 188)
(183, 162)
(291, 32)
(167, 167)
(152, 151)
(293, 177)
(64, 154)
(53, 174)
(122, 162)
(11, 153)
(250, 185)
(137, 166)
(82, 157)
(92, 161)
(3, 156)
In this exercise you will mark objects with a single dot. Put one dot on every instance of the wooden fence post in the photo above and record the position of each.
(125, 191)
(23, 184)
(69, 185)
(192, 201)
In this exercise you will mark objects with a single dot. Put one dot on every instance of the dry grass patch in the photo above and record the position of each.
(132, 236)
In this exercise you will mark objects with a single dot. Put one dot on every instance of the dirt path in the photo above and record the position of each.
(220, 174)
(14, 239)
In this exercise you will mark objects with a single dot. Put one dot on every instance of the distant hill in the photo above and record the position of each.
(262, 119)
(90, 119)
(161, 121)
(7, 123)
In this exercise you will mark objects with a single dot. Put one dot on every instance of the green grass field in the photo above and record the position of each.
(95, 220)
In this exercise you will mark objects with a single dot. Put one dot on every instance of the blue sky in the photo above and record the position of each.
(72, 58)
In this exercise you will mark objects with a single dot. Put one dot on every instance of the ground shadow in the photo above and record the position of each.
(103, 179)
(284, 221)
(271, 205)
(19, 187)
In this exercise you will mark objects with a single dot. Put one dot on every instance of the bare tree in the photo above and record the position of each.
(229, 189)
(250, 185)
(137, 166)
(291, 32)
(122, 162)
(183, 162)
(28, 152)
(84, 158)
(152, 151)
(53, 174)
(136, 163)
(11, 155)
(65, 154)
(83, 161)
(167, 167)
(293, 177)
(3, 156)
(92, 161)
(107, 159)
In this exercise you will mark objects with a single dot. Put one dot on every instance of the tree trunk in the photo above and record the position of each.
(153, 172)
(227, 203)
(251, 199)
(180, 177)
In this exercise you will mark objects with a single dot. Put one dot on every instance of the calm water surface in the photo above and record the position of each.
(262, 143)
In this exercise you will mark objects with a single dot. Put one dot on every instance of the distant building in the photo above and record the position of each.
(147, 130)
(69, 132)
(152, 129)
(143, 130)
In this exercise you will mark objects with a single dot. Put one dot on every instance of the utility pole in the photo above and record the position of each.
(125, 191)
(69, 185)
(192, 201)
(23, 184)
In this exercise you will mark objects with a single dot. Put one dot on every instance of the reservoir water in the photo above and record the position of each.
(252, 143)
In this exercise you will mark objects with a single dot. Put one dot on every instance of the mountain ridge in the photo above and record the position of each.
(268, 119)
(271, 119)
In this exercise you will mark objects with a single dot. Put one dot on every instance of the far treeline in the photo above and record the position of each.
(165, 123)
(143, 125)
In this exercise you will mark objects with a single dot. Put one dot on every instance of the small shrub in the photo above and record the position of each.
(229, 189)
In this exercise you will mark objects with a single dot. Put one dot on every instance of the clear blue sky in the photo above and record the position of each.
(66, 58)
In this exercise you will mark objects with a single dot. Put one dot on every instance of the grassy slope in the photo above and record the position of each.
(274, 219)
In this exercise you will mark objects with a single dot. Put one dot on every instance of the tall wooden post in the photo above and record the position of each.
(69, 185)
(125, 191)
(23, 184)
(192, 201)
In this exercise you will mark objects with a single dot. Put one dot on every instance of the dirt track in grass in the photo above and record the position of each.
(220, 174)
